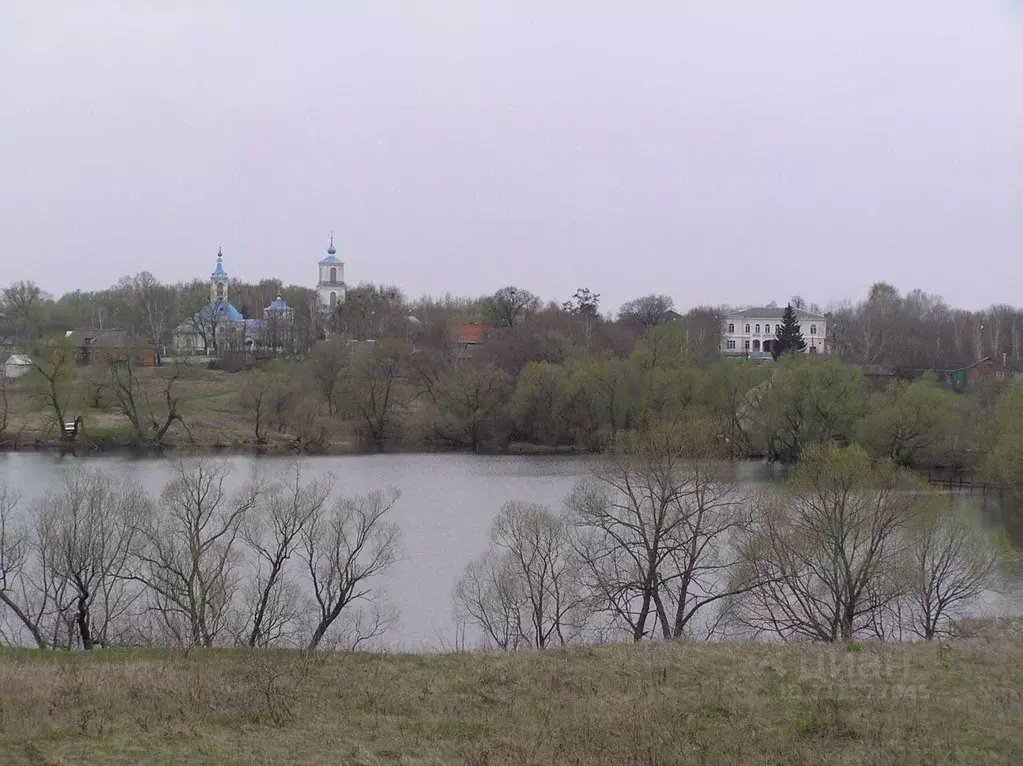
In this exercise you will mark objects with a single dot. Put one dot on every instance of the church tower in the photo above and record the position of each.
(218, 281)
(331, 288)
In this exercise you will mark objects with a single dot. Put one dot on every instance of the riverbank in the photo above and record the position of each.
(658, 703)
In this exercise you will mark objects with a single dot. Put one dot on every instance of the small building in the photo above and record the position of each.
(89, 346)
(16, 366)
(986, 370)
(750, 333)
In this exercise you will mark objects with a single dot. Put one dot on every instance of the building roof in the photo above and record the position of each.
(773, 312)
(223, 309)
(278, 304)
(84, 336)
(471, 333)
(331, 259)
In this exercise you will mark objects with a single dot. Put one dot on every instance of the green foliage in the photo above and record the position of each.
(908, 420)
(1006, 460)
(806, 401)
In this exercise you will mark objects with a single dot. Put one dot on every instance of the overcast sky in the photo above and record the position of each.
(720, 152)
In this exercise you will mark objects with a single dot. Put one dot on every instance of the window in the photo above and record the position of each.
(333, 299)
(747, 345)
(333, 274)
(758, 329)
(731, 327)
(813, 329)
(747, 328)
(813, 349)
(220, 291)
(999, 375)
(731, 345)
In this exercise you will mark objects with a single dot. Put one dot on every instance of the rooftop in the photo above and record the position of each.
(772, 312)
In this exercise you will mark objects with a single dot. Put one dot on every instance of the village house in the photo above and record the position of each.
(90, 346)
(750, 333)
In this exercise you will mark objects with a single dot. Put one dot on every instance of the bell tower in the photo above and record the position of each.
(218, 280)
(331, 288)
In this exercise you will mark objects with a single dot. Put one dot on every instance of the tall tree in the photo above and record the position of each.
(788, 338)
(648, 311)
(509, 305)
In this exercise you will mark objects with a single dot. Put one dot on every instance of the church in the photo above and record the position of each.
(219, 326)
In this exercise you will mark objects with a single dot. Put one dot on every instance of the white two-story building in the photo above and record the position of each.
(750, 333)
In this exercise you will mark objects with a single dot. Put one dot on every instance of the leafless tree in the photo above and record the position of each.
(648, 311)
(468, 396)
(54, 369)
(14, 561)
(88, 531)
(282, 512)
(5, 404)
(509, 305)
(826, 554)
(658, 527)
(524, 592)
(375, 390)
(488, 594)
(189, 557)
(345, 548)
(146, 307)
(150, 402)
(329, 366)
(950, 561)
(23, 304)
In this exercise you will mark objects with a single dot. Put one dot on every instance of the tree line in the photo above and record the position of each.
(658, 542)
(915, 330)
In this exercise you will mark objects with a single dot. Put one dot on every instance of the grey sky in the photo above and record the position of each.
(720, 152)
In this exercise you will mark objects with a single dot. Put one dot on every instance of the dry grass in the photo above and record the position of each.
(209, 404)
(652, 704)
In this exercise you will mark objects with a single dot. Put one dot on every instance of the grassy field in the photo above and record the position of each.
(650, 704)
(210, 407)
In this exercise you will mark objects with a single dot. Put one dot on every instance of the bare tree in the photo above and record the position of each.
(468, 396)
(524, 591)
(150, 402)
(648, 311)
(657, 530)
(950, 561)
(509, 305)
(5, 404)
(329, 366)
(14, 560)
(23, 304)
(88, 531)
(375, 391)
(345, 549)
(283, 511)
(189, 556)
(146, 306)
(488, 594)
(825, 555)
(54, 369)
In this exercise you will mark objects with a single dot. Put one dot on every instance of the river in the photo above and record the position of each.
(446, 506)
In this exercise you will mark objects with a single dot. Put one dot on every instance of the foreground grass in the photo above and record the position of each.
(651, 704)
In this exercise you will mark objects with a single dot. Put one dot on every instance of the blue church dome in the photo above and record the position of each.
(219, 271)
(278, 304)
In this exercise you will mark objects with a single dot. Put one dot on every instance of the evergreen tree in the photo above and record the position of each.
(788, 338)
